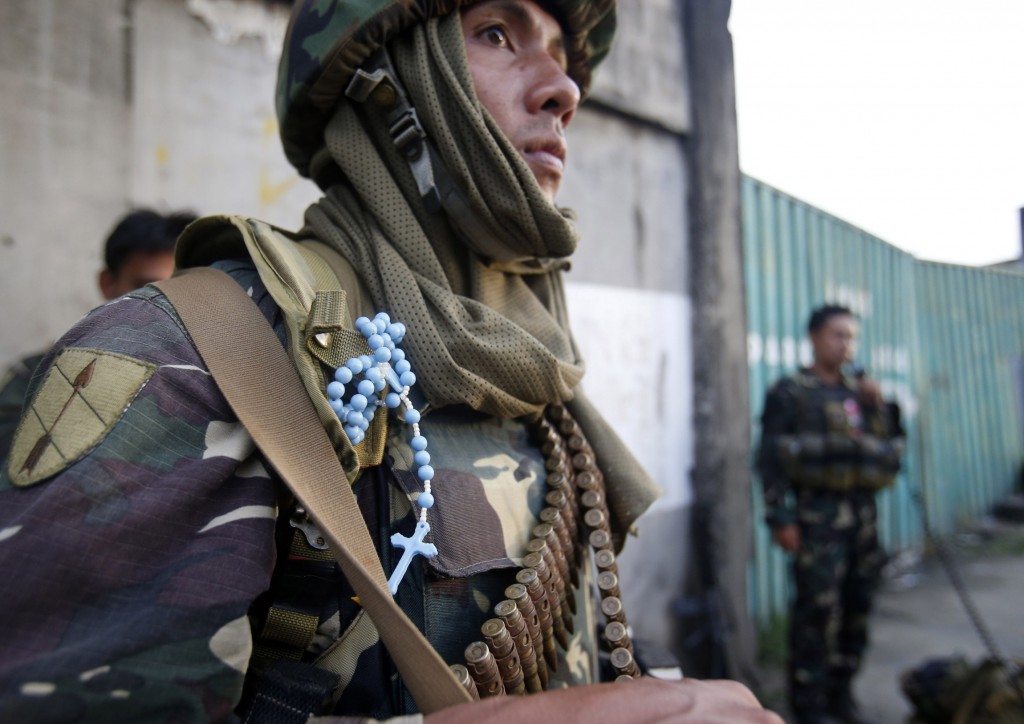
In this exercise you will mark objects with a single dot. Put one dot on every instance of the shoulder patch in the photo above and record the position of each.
(85, 392)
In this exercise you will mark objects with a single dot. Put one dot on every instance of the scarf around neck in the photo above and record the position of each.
(486, 316)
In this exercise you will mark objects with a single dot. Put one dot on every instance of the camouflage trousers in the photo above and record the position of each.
(836, 573)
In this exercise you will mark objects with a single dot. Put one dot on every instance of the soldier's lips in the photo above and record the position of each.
(546, 153)
(545, 159)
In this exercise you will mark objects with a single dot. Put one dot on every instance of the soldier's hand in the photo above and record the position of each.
(787, 537)
(641, 701)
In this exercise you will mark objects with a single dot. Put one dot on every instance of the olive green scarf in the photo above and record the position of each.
(486, 317)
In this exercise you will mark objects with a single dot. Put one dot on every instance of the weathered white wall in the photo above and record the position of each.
(63, 125)
(108, 104)
(628, 296)
(204, 131)
(645, 74)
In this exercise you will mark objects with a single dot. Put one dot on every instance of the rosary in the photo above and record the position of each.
(387, 385)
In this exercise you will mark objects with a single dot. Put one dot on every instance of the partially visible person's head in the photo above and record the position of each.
(140, 250)
(833, 333)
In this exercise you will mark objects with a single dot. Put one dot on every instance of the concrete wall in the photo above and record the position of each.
(204, 131)
(107, 104)
(627, 290)
(63, 125)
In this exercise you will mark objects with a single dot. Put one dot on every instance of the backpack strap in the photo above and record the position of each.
(305, 280)
(257, 378)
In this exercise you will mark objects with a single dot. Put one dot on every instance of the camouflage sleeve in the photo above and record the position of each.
(136, 528)
(776, 420)
(13, 387)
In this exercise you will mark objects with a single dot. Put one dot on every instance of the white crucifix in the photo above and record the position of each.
(413, 546)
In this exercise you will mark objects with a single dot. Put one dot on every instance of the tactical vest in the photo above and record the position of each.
(835, 442)
(483, 519)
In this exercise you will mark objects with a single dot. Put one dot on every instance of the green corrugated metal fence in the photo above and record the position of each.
(945, 341)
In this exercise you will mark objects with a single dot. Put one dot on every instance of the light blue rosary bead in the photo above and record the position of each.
(367, 361)
(421, 457)
(408, 379)
(425, 473)
(379, 385)
(355, 418)
(361, 321)
(369, 328)
(383, 316)
(365, 388)
(392, 400)
(374, 341)
(358, 402)
(396, 331)
(355, 365)
(398, 355)
(343, 375)
(382, 354)
(335, 390)
(412, 416)
(418, 443)
(336, 405)
(402, 366)
(380, 324)
(374, 375)
(425, 500)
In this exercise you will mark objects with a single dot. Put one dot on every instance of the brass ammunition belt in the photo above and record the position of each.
(518, 650)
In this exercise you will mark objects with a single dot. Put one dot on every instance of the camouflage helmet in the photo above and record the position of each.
(327, 40)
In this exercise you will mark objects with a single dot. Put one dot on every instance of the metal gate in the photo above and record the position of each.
(942, 340)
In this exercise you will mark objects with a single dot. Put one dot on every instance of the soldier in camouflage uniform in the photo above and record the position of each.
(139, 250)
(829, 442)
(164, 574)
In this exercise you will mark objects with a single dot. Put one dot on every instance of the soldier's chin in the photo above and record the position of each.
(549, 184)
(547, 178)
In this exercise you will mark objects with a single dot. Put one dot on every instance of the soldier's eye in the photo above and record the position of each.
(496, 36)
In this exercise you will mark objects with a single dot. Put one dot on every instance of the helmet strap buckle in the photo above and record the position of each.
(378, 82)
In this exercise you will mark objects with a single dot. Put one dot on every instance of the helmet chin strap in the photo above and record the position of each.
(377, 82)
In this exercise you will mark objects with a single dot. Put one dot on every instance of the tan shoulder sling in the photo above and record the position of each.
(256, 376)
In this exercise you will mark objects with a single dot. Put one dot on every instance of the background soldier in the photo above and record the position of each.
(139, 250)
(829, 442)
(164, 575)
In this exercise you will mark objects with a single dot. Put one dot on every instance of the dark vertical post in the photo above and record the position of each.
(721, 474)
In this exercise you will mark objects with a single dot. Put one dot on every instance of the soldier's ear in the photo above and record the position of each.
(107, 284)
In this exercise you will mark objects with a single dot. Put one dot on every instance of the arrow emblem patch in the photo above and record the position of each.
(85, 392)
